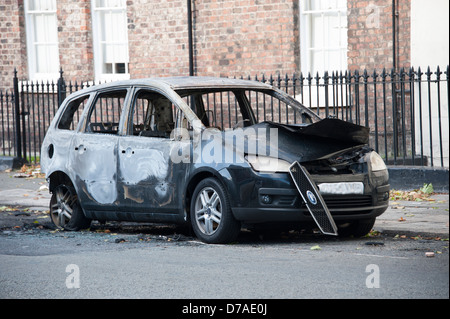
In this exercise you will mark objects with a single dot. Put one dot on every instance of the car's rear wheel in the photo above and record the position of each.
(65, 210)
(211, 216)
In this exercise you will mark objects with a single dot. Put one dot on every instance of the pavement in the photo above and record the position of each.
(410, 218)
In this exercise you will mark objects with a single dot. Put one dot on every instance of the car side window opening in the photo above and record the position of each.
(152, 115)
(70, 118)
(104, 116)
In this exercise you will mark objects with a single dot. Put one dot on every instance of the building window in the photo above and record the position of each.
(109, 25)
(323, 29)
(42, 39)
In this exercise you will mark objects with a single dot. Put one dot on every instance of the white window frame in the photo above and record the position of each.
(98, 43)
(306, 30)
(32, 57)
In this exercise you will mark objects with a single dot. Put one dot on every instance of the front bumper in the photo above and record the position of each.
(258, 197)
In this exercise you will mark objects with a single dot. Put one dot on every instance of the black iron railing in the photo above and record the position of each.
(406, 110)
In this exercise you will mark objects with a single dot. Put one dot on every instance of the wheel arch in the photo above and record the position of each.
(196, 178)
(58, 177)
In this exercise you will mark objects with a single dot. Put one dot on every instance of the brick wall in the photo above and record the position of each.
(75, 39)
(231, 37)
(246, 37)
(157, 38)
(12, 41)
(370, 44)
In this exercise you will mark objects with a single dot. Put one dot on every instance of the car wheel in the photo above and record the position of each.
(357, 228)
(211, 216)
(65, 210)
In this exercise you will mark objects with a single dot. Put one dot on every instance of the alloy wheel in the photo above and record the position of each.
(62, 206)
(208, 210)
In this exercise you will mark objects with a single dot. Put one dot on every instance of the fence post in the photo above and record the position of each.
(18, 137)
(326, 78)
(61, 88)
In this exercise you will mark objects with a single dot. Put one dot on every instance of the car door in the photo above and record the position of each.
(93, 151)
(149, 182)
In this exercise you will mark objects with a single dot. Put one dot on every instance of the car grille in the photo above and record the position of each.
(345, 202)
(352, 201)
(309, 191)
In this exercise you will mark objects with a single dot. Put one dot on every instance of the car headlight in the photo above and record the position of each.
(267, 164)
(376, 162)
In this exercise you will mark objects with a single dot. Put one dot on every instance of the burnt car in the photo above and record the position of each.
(215, 153)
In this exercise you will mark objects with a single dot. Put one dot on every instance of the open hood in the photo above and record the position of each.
(306, 143)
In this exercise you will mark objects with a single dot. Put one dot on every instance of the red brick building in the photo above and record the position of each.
(114, 39)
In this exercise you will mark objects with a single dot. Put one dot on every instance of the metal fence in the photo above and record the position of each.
(407, 110)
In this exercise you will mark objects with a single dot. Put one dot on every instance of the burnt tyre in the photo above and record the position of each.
(211, 216)
(356, 228)
(65, 210)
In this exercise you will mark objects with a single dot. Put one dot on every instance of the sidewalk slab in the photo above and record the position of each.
(416, 218)
(39, 199)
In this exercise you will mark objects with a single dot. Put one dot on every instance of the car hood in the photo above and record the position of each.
(304, 143)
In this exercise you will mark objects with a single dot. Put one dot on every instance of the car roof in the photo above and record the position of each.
(192, 82)
(183, 83)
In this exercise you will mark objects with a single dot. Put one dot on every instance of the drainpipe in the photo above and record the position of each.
(191, 49)
(396, 96)
(394, 35)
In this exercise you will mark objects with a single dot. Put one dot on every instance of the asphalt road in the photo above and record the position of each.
(164, 263)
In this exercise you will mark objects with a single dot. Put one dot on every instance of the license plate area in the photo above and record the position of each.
(313, 199)
(343, 188)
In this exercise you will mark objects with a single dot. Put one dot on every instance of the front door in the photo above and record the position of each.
(148, 180)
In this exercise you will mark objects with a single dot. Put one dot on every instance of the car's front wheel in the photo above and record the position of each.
(211, 216)
(65, 210)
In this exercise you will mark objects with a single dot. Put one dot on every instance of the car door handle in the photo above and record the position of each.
(128, 151)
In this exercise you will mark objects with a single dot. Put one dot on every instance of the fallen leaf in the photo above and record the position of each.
(316, 247)
(401, 219)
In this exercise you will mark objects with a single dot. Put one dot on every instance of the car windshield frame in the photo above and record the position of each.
(243, 101)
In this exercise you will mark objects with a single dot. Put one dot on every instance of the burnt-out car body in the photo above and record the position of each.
(213, 152)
